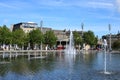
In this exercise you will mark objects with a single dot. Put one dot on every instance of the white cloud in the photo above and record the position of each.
(15, 5)
(118, 5)
(100, 5)
(6, 5)
(50, 2)
(56, 3)
(76, 3)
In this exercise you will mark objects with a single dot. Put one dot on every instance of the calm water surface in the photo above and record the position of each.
(60, 66)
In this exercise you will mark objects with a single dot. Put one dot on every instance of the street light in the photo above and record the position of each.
(41, 24)
(109, 37)
(82, 25)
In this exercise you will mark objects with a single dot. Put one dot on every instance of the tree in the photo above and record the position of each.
(36, 37)
(50, 38)
(5, 35)
(116, 45)
(19, 37)
(90, 38)
(77, 38)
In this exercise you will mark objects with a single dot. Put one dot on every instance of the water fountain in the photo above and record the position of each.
(70, 54)
(66, 66)
(105, 63)
(70, 48)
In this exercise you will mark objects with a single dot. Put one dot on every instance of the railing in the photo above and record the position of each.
(34, 53)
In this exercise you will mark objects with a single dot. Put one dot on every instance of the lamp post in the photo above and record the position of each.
(41, 24)
(82, 25)
(109, 37)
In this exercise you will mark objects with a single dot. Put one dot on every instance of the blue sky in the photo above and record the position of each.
(64, 14)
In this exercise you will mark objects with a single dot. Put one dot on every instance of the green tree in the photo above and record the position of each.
(36, 37)
(77, 38)
(19, 37)
(5, 35)
(50, 38)
(90, 38)
(116, 45)
(26, 40)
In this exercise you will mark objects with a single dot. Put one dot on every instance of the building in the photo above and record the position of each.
(62, 35)
(114, 37)
(44, 29)
(25, 26)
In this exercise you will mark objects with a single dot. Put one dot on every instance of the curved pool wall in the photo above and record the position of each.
(59, 66)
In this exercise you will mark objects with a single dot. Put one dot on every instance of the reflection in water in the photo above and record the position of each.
(60, 66)
(70, 60)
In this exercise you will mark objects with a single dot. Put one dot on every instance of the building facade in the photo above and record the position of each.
(62, 35)
(25, 26)
(114, 37)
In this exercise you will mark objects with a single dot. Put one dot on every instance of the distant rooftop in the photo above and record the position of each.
(26, 23)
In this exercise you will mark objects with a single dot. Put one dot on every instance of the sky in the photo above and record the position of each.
(96, 15)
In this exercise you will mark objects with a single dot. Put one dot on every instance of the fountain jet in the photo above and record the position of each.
(105, 62)
(70, 48)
